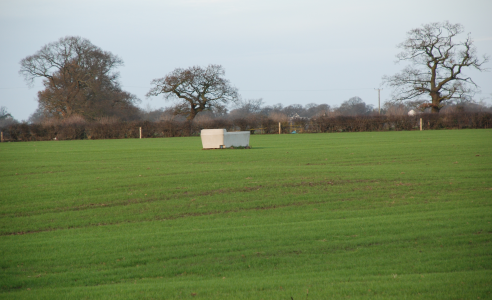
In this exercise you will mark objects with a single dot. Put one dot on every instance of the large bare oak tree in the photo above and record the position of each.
(79, 78)
(195, 88)
(437, 59)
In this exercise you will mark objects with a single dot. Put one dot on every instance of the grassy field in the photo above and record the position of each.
(382, 215)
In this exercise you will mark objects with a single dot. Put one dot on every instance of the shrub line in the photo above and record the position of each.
(254, 123)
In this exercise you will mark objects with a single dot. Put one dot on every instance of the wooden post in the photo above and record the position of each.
(140, 131)
(420, 124)
(1, 138)
(279, 129)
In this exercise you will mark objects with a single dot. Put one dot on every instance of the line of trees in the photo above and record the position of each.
(246, 111)
(74, 128)
(354, 106)
(81, 82)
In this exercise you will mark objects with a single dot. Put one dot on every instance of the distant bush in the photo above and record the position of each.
(78, 129)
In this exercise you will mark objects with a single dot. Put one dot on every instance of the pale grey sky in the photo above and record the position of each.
(289, 51)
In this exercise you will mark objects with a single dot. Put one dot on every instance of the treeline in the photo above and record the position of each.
(352, 115)
(112, 129)
(354, 106)
(82, 98)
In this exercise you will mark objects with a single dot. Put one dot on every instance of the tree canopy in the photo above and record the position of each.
(196, 89)
(355, 106)
(437, 62)
(79, 78)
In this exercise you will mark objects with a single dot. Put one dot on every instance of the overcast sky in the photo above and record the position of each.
(284, 51)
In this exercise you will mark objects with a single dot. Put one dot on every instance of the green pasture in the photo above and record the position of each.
(373, 215)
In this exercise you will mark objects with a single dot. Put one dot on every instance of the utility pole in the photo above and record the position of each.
(379, 100)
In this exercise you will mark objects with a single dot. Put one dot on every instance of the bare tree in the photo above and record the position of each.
(196, 88)
(244, 108)
(437, 64)
(5, 117)
(313, 109)
(354, 106)
(294, 110)
(78, 77)
(4, 114)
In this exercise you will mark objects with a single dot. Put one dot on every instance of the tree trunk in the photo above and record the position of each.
(191, 116)
(435, 102)
(193, 111)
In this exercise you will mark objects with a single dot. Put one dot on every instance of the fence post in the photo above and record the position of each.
(279, 130)
(420, 124)
(1, 139)
(140, 131)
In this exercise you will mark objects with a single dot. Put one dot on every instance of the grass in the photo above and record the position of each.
(384, 215)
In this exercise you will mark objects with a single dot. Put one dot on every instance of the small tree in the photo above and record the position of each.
(196, 88)
(437, 64)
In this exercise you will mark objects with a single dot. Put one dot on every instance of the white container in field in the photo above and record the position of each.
(236, 139)
(220, 138)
